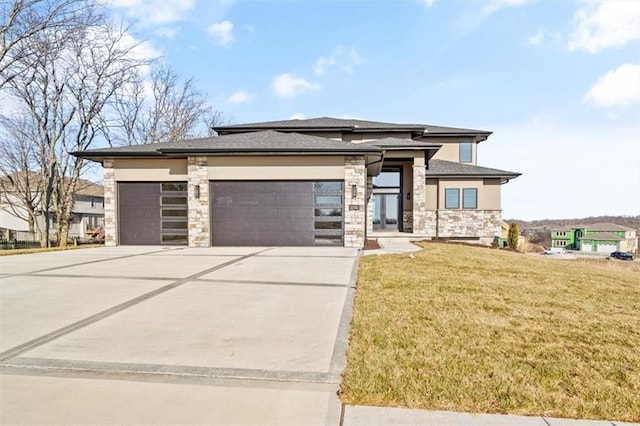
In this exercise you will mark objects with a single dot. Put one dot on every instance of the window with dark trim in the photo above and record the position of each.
(470, 198)
(452, 198)
(466, 152)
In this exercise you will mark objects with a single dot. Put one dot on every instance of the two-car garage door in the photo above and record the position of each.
(285, 213)
(242, 213)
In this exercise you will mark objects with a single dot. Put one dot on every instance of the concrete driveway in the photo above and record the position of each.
(248, 335)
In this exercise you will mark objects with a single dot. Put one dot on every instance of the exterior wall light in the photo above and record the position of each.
(197, 192)
(354, 191)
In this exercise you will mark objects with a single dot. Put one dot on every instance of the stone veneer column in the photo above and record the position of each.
(355, 173)
(369, 204)
(198, 207)
(419, 196)
(109, 204)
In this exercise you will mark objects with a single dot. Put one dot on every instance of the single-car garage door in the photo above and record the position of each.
(152, 213)
(276, 213)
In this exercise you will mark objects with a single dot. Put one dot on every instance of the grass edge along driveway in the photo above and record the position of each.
(472, 329)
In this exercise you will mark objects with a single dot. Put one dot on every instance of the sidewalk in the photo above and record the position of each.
(392, 246)
(361, 416)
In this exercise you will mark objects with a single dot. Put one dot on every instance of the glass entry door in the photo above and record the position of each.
(386, 199)
(386, 209)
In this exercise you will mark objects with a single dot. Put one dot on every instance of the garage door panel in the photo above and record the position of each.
(269, 212)
(152, 213)
(139, 213)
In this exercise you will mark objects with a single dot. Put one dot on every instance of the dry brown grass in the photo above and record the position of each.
(11, 252)
(469, 329)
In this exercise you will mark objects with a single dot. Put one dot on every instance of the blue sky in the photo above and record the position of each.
(557, 82)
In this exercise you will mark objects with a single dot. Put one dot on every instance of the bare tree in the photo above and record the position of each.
(23, 20)
(74, 76)
(21, 188)
(173, 110)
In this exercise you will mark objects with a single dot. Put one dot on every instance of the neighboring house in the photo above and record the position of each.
(321, 181)
(87, 212)
(597, 237)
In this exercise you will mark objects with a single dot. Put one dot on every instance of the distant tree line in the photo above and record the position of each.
(72, 79)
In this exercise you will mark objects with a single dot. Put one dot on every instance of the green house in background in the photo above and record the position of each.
(595, 238)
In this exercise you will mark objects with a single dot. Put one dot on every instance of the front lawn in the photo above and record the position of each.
(479, 330)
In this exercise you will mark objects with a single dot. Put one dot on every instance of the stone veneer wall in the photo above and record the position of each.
(419, 196)
(199, 232)
(407, 221)
(109, 204)
(355, 173)
(369, 204)
(468, 223)
(431, 220)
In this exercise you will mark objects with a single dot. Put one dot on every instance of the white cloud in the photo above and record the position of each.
(223, 32)
(297, 116)
(469, 21)
(537, 38)
(347, 58)
(618, 88)
(604, 25)
(290, 85)
(428, 3)
(322, 64)
(167, 32)
(155, 12)
(240, 97)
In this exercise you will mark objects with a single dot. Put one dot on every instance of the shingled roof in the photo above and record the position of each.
(443, 168)
(266, 142)
(347, 124)
(601, 236)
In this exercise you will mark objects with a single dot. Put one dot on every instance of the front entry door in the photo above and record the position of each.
(385, 212)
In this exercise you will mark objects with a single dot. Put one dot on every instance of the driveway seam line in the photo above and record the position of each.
(289, 283)
(339, 356)
(39, 341)
(86, 263)
(105, 277)
(108, 367)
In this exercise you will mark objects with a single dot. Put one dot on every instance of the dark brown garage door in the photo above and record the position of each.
(276, 213)
(152, 213)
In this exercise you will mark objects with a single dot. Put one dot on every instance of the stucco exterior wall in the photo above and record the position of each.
(488, 191)
(276, 168)
(450, 150)
(149, 170)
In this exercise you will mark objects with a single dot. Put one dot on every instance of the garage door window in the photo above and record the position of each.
(328, 221)
(174, 213)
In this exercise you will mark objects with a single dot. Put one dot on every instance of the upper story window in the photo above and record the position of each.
(466, 152)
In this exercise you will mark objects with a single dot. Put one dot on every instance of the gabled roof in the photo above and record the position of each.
(267, 142)
(325, 124)
(607, 227)
(83, 186)
(443, 168)
(601, 236)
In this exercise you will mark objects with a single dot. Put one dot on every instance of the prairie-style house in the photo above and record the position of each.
(320, 181)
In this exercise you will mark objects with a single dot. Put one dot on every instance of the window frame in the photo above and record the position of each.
(446, 198)
(464, 198)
